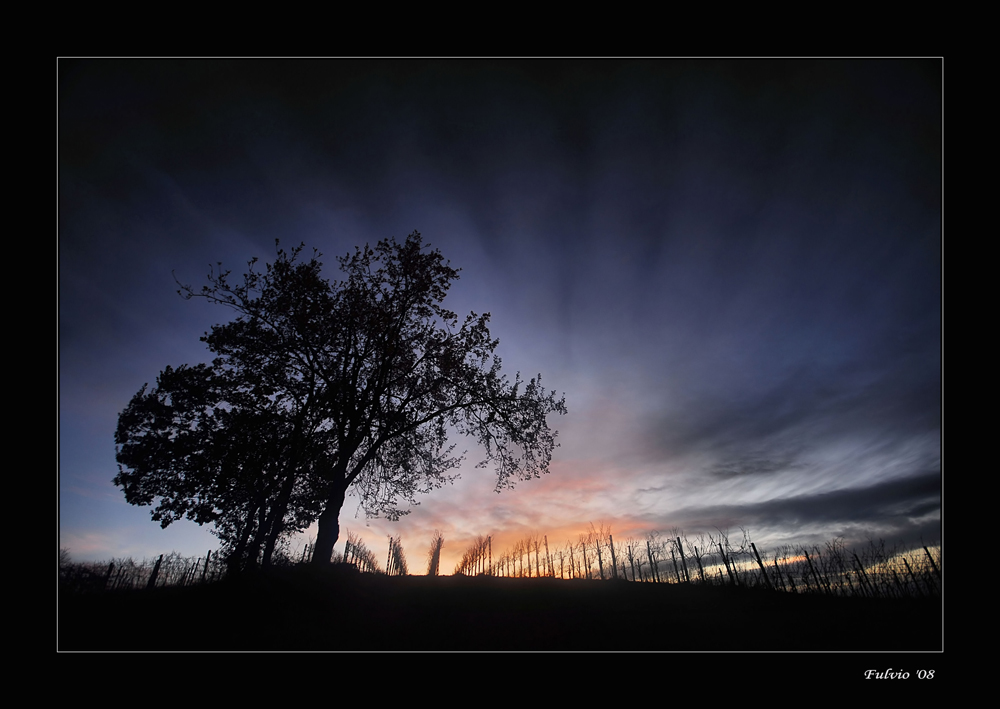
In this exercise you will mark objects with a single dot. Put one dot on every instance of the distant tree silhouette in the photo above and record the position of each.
(322, 389)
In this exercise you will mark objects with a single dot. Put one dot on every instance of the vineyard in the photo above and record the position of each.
(875, 571)
(126, 574)
(661, 592)
(872, 571)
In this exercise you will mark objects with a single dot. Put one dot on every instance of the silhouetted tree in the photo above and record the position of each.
(206, 446)
(346, 386)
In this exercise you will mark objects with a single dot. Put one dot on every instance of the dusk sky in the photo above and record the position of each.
(732, 268)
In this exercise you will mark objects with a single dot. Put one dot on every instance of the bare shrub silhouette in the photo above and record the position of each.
(396, 562)
(359, 555)
(477, 558)
(434, 555)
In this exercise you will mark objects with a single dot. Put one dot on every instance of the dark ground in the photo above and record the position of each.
(302, 609)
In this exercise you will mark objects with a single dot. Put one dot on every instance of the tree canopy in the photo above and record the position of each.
(319, 388)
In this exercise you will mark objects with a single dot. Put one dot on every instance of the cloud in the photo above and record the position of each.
(905, 507)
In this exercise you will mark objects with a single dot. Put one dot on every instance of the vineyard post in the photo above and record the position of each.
(823, 564)
(777, 573)
(862, 590)
(761, 565)
(866, 583)
(653, 571)
(932, 581)
(600, 560)
(913, 578)
(937, 571)
(929, 582)
(726, 562)
(812, 568)
(677, 571)
(850, 584)
(899, 584)
(684, 564)
(614, 562)
(701, 571)
(156, 571)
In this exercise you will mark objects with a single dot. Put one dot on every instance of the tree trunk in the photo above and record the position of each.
(329, 528)
(277, 525)
(235, 560)
(253, 551)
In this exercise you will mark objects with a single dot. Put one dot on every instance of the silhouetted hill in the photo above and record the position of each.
(306, 609)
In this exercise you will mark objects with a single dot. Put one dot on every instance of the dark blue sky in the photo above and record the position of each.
(732, 268)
